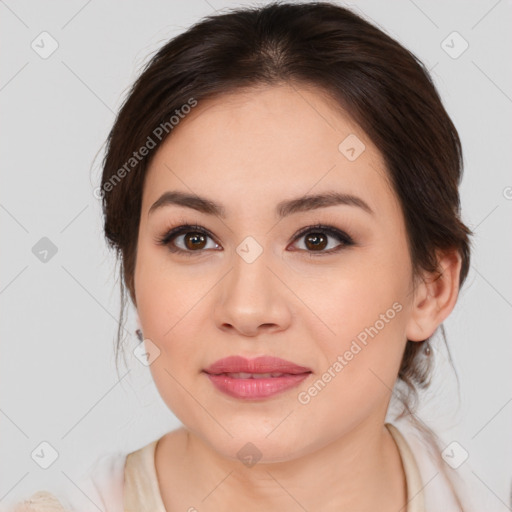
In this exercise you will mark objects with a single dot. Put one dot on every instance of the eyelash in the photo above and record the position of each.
(184, 228)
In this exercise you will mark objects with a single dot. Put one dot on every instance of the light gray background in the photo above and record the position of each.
(58, 318)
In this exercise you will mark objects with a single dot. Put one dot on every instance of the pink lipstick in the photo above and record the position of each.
(262, 377)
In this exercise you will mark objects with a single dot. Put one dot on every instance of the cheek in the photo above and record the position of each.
(165, 295)
(361, 360)
(353, 298)
(168, 302)
(363, 312)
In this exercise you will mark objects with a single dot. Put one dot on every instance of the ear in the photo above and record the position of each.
(434, 297)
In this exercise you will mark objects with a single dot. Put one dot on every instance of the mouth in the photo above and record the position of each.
(255, 379)
(255, 386)
(259, 367)
(245, 375)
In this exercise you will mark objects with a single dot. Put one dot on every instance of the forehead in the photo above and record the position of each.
(265, 144)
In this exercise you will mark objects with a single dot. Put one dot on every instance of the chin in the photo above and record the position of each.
(255, 444)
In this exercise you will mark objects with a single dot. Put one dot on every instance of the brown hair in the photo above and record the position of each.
(385, 89)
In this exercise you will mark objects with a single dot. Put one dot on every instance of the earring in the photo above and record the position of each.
(427, 351)
(138, 332)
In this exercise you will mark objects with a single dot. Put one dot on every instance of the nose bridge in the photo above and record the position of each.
(250, 276)
(250, 295)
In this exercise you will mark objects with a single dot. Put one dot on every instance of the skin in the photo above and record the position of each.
(249, 151)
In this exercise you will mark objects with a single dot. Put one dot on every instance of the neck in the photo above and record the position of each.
(362, 470)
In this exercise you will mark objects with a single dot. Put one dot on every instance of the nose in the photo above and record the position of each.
(252, 300)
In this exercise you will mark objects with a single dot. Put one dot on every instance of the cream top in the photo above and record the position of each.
(119, 482)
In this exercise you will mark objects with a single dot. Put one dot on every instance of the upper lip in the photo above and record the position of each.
(262, 364)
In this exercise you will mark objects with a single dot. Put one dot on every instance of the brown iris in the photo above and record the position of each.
(317, 241)
(194, 240)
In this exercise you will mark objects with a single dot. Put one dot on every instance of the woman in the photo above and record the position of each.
(281, 188)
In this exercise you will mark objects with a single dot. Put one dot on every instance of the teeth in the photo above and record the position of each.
(243, 375)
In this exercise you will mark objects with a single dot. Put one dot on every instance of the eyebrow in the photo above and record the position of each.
(283, 209)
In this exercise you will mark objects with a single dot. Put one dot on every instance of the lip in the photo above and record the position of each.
(251, 388)
(262, 364)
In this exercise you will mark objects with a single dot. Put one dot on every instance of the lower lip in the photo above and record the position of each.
(256, 388)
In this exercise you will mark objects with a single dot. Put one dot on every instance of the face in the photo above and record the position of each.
(256, 278)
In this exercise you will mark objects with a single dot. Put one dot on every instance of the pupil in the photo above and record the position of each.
(315, 238)
(195, 237)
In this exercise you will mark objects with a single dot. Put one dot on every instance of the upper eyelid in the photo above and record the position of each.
(186, 227)
(190, 227)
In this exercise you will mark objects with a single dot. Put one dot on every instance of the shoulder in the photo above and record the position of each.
(101, 487)
(442, 484)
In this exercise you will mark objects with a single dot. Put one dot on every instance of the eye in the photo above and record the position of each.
(316, 239)
(189, 239)
(193, 238)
